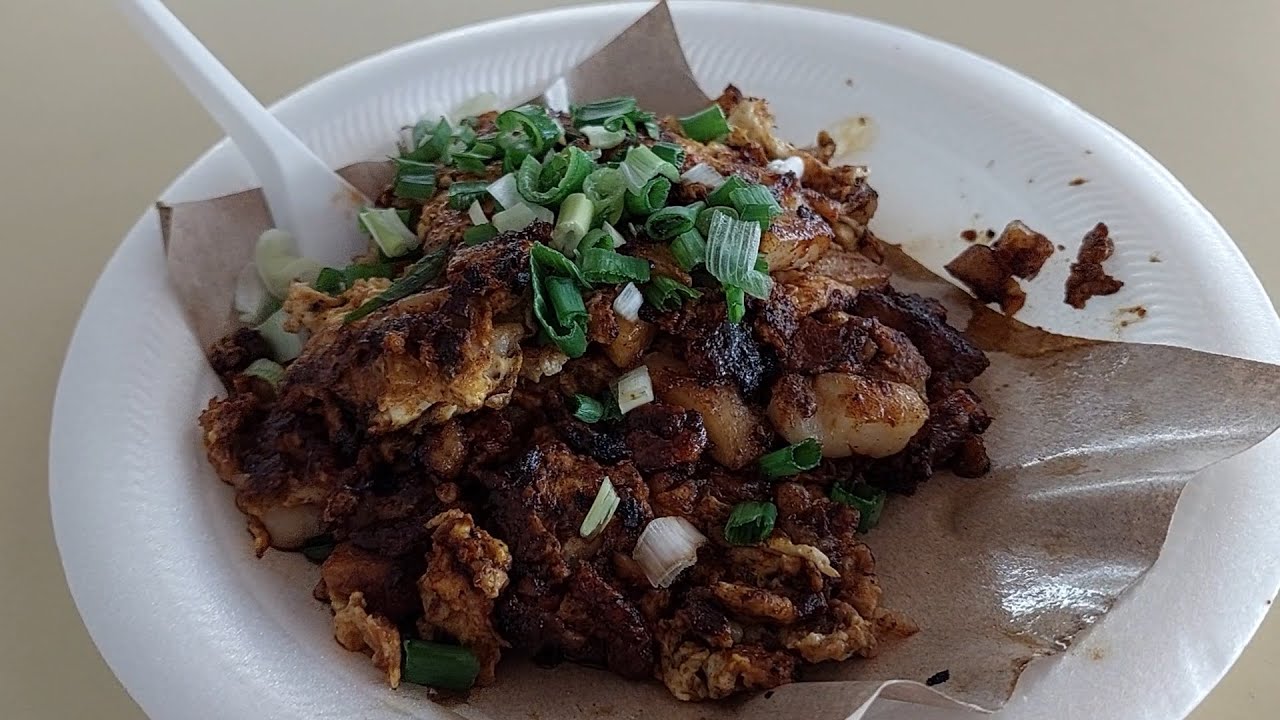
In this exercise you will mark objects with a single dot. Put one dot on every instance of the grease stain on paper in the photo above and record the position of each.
(1126, 316)
(853, 134)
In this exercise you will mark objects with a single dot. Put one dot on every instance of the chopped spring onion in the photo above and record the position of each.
(633, 389)
(504, 191)
(720, 196)
(334, 281)
(524, 131)
(414, 180)
(252, 301)
(703, 223)
(602, 110)
(735, 303)
(284, 345)
(464, 192)
(439, 666)
(606, 190)
(757, 284)
(329, 281)
(303, 270)
(610, 402)
(670, 152)
(703, 174)
(632, 120)
(755, 202)
(667, 547)
(464, 136)
(671, 221)
(561, 176)
(866, 499)
(628, 302)
(271, 255)
(792, 459)
(615, 236)
(484, 150)
(475, 105)
(474, 158)
(608, 267)
(603, 138)
(604, 238)
(477, 234)
(596, 238)
(542, 214)
(649, 121)
(652, 197)
(431, 141)
(533, 123)
(667, 294)
(602, 510)
(750, 523)
(566, 300)
(510, 163)
(586, 408)
(390, 233)
(568, 332)
(732, 247)
(272, 245)
(576, 214)
(352, 273)
(476, 213)
(641, 164)
(468, 162)
(689, 249)
(521, 216)
(793, 164)
(415, 277)
(555, 263)
(267, 370)
(707, 125)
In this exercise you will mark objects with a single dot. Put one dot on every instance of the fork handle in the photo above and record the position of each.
(287, 168)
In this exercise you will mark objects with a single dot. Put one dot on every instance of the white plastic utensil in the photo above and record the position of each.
(304, 195)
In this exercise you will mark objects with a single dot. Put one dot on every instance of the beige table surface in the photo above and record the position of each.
(93, 127)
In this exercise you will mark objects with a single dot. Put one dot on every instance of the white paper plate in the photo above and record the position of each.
(158, 560)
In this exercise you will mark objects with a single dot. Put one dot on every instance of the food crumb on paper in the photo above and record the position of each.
(1155, 258)
(1130, 315)
(938, 678)
(989, 271)
(1077, 181)
(1087, 278)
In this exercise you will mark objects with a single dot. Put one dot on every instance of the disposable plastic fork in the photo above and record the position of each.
(306, 197)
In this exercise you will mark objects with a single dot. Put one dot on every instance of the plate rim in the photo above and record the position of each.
(1247, 284)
